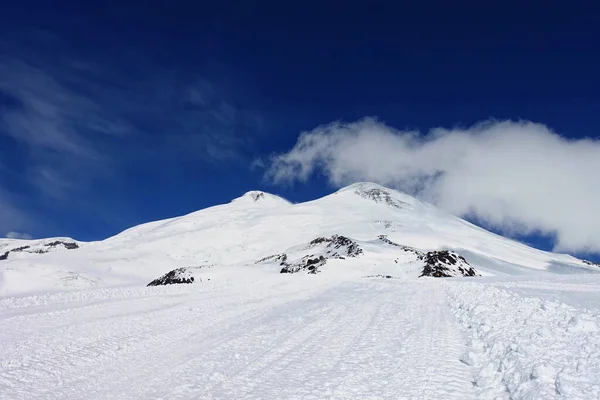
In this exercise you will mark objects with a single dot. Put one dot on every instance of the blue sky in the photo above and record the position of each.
(117, 114)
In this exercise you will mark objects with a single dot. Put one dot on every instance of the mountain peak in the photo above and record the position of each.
(379, 194)
(260, 197)
(363, 186)
(256, 195)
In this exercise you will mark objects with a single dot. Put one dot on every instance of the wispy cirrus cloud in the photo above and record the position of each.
(520, 177)
(76, 121)
(57, 126)
(45, 113)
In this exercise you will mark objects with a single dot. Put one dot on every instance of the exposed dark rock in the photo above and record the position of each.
(591, 263)
(386, 224)
(321, 249)
(66, 245)
(16, 250)
(384, 239)
(438, 264)
(338, 246)
(379, 196)
(281, 258)
(381, 276)
(19, 249)
(306, 263)
(257, 196)
(444, 263)
(176, 276)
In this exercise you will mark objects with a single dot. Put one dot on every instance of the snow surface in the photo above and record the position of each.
(258, 225)
(300, 336)
(80, 323)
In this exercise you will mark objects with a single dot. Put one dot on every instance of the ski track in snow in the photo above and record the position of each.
(77, 323)
(362, 339)
(306, 337)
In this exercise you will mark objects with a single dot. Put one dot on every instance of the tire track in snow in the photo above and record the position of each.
(321, 350)
(66, 356)
(276, 326)
(364, 339)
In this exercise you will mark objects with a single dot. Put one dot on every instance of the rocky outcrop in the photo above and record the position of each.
(176, 276)
(445, 263)
(20, 249)
(438, 264)
(275, 258)
(311, 265)
(311, 257)
(408, 249)
(379, 195)
(39, 248)
(256, 196)
(314, 255)
(591, 263)
(66, 245)
(380, 276)
(338, 246)
(386, 224)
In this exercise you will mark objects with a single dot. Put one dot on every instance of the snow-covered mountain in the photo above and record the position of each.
(363, 229)
(325, 299)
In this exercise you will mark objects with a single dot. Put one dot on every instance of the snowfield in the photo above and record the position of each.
(300, 337)
(319, 300)
(528, 347)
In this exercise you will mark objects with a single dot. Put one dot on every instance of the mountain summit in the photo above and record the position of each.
(363, 229)
(262, 198)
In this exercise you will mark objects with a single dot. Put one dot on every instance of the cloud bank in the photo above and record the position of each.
(519, 177)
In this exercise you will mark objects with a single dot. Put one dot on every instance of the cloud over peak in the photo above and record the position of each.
(516, 176)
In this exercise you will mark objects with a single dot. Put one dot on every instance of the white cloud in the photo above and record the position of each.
(47, 114)
(516, 176)
(18, 235)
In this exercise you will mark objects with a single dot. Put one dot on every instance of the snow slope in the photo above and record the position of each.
(227, 237)
(530, 347)
(354, 320)
(301, 337)
(279, 340)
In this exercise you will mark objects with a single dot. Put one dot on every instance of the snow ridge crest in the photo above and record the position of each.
(260, 197)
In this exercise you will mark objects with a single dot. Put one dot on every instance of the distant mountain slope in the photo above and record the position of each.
(231, 238)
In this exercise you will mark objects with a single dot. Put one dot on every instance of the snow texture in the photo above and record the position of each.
(356, 316)
(528, 347)
(295, 337)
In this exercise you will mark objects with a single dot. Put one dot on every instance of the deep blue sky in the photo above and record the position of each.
(127, 112)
